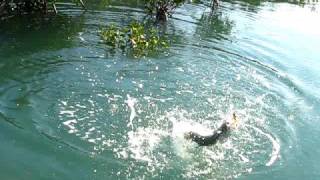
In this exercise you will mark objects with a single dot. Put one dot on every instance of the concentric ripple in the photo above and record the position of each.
(91, 112)
(145, 126)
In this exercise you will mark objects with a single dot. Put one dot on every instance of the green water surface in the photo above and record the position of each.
(70, 108)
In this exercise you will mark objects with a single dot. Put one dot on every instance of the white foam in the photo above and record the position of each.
(131, 102)
(64, 102)
(143, 141)
(157, 99)
(275, 145)
(71, 125)
(69, 113)
(180, 127)
(243, 158)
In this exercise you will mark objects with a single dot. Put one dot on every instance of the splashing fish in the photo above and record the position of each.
(217, 134)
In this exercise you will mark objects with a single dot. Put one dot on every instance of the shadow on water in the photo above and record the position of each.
(26, 57)
(30, 34)
(32, 48)
(214, 25)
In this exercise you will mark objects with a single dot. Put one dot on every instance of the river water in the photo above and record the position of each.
(70, 108)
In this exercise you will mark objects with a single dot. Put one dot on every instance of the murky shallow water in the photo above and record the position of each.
(71, 109)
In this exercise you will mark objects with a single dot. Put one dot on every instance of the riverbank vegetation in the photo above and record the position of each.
(136, 40)
(161, 9)
(9, 8)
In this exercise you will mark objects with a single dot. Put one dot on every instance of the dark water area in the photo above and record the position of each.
(71, 108)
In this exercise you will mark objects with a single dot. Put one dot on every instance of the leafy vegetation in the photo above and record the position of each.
(20, 7)
(13, 7)
(135, 39)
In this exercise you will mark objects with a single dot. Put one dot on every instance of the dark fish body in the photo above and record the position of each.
(210, 139)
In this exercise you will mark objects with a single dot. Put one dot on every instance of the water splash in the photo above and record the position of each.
(131, 102)
(241, 152)
(275, 145)
(143, 141)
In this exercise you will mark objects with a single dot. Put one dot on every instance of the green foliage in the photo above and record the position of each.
(11, 7)
(22, 7)
(135, 39)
